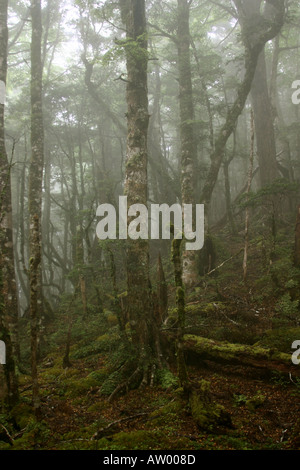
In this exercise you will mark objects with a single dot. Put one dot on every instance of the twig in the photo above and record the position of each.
(291, 379)
(224, 262)
(233, 256)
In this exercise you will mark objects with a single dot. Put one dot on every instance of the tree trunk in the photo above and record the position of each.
(8, 291)
(297, 240)
(35, 193)
(138, 283)
(226, 164)
(162, 291)
(250, 176)
(264, 130)
(187, 137)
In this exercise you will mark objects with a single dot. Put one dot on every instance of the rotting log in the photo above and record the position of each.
(199, 350)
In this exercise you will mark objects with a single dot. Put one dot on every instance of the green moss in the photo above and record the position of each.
(166, 379)
(96, 407)
(233, 442)
(144, 440)
(22, 415)
(280, 339)
(51, 374)
(251, 403)
(112, 319)
(239, 399)
(36, 436)
(77, 387)
(103, 343)
(255, 402)
(205, 412)
(111, 383)
(179, 294)
(24, 380)
(211, 307)
(99, 376)
(230, 351)
(168, 415)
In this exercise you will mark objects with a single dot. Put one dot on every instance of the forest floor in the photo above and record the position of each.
(264, 411)
(264, 414)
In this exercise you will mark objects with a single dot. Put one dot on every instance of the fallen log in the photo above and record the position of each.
(199, 350)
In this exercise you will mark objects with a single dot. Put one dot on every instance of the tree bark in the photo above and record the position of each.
(138, 283)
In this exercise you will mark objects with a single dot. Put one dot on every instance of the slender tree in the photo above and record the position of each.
(35, 192)
(187, 118)
(250, 176)
(188, 143)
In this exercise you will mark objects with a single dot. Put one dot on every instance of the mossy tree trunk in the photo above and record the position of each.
(8, 291)
(138, 284)
(35, 193)
(187, 123)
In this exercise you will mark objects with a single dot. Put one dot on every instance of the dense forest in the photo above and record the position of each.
(115, 335)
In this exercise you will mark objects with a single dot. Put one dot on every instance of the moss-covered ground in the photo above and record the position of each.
(232, 407)
(77, 415)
